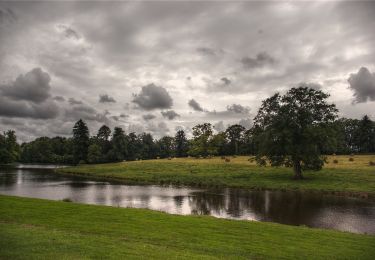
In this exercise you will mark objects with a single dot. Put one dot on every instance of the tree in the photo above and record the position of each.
(104, 133)
(119, 144)
(166, 146)
(9, 148)
(366, 135)
(291, 129)
(181, 144)
(200, 143)
(94, 154)
(80, 141)
(234, 133)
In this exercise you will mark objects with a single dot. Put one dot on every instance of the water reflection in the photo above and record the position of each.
(294, 208)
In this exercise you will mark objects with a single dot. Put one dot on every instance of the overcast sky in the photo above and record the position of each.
(162, 66)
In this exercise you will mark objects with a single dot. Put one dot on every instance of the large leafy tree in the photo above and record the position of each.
(81, 139)
(119, 144)
(166, 146)
(366, 135)
(234, 133)
(181, 144)
(200, 145)
(292, 129)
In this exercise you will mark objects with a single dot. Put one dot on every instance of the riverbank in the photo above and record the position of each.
(348, 178)
(34, 228)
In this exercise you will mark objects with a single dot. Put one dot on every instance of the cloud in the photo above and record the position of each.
(106, 99)
(33, 86)
(219, 126)
(148, 117)
(261, 59)
(73, 101)
(86, 112)
(59, 98)
(226, 81)
(363, 85)
(247, 123)
(158, 130)
(24, 109)
(312, 85)
(195, 105)
(239, 109)
(170, 114)
(69, 32)
(153, 97)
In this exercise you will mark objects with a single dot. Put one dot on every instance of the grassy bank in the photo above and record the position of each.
(350, 177)
(35, 229)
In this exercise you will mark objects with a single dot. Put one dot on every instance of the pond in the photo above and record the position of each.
(292, 207)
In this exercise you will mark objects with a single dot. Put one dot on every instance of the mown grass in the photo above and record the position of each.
(42, 229)
(352, 177)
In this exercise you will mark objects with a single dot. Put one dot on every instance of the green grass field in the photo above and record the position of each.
(350, 177)
(42, 229)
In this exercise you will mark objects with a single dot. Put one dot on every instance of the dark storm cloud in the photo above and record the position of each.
(73, 101)
(153, 97)
(148, 117)
(261, 59)
(59, 98)
(195, 105)
(170, 114)
(33, 86)
(7, 16)
(239, 109)
(106, 99)
(363, 85)
(25, 109)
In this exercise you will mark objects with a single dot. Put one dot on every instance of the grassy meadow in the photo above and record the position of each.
(355, 177)
(42, 229)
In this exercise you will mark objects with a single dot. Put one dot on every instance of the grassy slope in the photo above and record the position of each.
(356, 176)
(34, 229)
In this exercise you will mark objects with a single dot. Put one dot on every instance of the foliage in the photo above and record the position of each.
(9, 148)
(80, 141)
(293, 129)
(181, 144)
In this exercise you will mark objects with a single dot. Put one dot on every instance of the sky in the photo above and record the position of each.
(159, 67)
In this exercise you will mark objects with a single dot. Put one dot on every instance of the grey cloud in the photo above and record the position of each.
(148, 117)
(239, 109)
(153, 97)
(195, 105)
(312, 85)
(33, 86)
(226, 81)
(170, 114)
(74, 101)
(207, 51)
(363, 85)
(106, 99)
(69, 32)
(59, 98)
(158, 130)
(24, 109)
(86, 112)
(247, 123)
(219, 126)
(261, 59)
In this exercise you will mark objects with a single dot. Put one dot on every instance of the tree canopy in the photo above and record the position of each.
(293, 129)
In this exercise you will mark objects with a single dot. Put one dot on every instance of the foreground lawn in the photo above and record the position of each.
(345, 176)
(42, 229)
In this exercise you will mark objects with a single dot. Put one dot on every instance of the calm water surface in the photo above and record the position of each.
(293, 208)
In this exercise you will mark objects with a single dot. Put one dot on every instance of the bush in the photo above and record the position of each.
(227, 160)
(351, 159)
(335, 161)
(371, 163)
(67, 200)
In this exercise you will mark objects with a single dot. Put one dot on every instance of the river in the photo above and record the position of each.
(292, 207)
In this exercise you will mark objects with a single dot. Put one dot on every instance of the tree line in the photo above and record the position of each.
(269, 137)
(351, 136)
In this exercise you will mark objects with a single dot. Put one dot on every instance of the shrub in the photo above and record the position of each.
(67, 200)
(335, 161)
(351, 159)
(227, 160)
(371, 163)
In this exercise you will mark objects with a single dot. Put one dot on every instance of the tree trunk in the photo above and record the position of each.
(297, 170)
